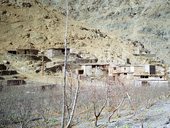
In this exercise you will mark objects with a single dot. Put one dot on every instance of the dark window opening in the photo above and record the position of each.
(160, 76)
(125, 73)
(152, 69)
(12, 52)
(114, 78)
(93, 66)
(80, 71)
(114, 68)
(144, 76)
(128, 61)
(63, 51)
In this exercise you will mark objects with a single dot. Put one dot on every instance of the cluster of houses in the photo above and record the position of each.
(147, 74)
(144, 74)
(4, 70)
(11, 80)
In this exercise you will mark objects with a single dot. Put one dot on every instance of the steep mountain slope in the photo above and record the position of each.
(146, 21)
(36, 25)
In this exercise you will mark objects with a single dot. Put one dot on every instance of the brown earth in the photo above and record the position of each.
(43, 27)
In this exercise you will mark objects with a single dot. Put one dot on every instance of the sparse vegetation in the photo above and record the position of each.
(32, 106)
(82, 98)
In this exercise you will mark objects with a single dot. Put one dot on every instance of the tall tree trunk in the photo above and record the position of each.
(74, 104)
(65, 67)
(96, 120)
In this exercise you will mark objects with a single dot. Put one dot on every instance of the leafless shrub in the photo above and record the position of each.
(32, 107)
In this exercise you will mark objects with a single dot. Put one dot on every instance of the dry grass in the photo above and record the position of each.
(47, 103)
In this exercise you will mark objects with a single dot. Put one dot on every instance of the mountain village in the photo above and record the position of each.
(51, 61)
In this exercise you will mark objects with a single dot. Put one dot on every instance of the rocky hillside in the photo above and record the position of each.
(146, 21)
(119, 27)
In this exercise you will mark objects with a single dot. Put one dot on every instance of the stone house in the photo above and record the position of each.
(16, 82)
(27, 51)
(93, 69)
(138, 74)
(150, 70)
(150, 75)
(121, 71)
(55, 52)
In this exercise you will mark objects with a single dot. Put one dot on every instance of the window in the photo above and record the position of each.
(93, 66)
(144, 76)
(63, 51)
(152, 69)
(114, 68)
(114, 78)
(80, 71)
(12, 52)
(128, 61)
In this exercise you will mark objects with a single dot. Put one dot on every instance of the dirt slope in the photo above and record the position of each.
(42, 27)
(146, 21)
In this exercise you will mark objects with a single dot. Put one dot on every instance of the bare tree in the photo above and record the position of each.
(125, 91)
(99, 99)
(97, 115)
(65, 66)
(74, 104)
(120, 104)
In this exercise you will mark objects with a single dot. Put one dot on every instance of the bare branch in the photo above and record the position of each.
(120, 104)
(99, 113)
(74, 104)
